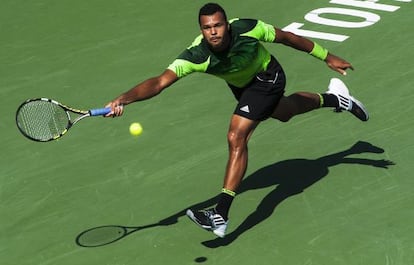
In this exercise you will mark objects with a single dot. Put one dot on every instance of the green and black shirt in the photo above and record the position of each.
(239, 64)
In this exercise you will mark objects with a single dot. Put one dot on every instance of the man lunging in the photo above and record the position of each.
(232, 51)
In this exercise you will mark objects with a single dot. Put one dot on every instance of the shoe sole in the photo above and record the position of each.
(337, 88)
(362, 107)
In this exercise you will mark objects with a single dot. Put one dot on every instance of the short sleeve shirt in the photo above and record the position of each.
(239, 64)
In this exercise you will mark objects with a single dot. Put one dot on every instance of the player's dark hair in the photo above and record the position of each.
(210, 9)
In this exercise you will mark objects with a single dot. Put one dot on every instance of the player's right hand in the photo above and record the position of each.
(116, 109)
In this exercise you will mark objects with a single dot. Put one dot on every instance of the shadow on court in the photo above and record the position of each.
(290, 177)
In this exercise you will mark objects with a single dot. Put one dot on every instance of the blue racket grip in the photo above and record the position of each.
(99, 112)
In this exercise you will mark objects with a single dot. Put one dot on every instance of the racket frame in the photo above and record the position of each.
(83, 114)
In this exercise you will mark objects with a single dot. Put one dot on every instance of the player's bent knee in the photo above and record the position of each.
(236, 139)
(284, 118)
(233, 137)
(285, 110)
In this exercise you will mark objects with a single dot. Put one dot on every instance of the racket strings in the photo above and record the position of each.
(42, 120)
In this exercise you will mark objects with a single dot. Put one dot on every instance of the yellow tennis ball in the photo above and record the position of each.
(135, 128)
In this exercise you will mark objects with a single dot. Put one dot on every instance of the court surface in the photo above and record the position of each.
(324, 188)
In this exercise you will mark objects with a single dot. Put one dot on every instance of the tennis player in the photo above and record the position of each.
(232, 51)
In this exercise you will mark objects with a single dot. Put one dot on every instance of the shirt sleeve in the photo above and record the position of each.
(263, 32)
(189, 61)
(182, 67)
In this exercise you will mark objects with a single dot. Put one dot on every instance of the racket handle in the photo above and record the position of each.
(99, 112)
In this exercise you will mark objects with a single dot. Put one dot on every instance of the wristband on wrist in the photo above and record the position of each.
(319, 52)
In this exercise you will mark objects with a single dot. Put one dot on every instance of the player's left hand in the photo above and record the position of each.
(338, 64)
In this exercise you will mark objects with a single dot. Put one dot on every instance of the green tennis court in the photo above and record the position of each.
(324, 188)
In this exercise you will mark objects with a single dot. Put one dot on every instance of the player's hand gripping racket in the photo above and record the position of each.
(44, 119)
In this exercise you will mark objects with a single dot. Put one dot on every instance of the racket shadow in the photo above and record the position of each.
(107, 234)
(290, 177)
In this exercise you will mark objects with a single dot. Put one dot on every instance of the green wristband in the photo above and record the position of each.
(319, 52)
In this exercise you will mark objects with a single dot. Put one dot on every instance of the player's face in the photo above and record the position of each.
(215, 30)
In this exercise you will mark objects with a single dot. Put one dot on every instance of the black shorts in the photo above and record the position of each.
(258, 99)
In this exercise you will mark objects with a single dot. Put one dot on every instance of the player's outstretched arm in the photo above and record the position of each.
(145, 90)
(303, 44)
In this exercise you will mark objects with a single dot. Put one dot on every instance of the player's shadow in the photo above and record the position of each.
(293, 177)
(290, 177)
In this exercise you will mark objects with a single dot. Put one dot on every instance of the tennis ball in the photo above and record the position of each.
(135, 128)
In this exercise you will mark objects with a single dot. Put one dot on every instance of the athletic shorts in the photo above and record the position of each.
(258, 99)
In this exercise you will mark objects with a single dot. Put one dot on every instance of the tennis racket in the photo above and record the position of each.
(44, 119)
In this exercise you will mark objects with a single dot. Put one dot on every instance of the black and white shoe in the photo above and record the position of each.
(346, 101)
(209, 220)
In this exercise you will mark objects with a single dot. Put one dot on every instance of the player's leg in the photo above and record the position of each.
(337, 97)
(256, 102)
(216, 219)
(295, 104)
(239, 133)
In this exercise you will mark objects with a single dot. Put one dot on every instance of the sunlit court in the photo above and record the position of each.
(322, 188)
